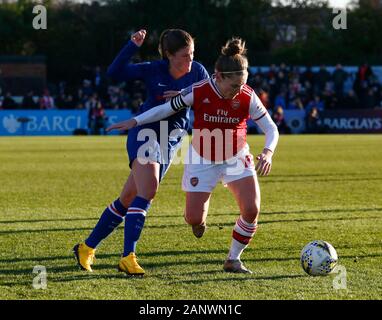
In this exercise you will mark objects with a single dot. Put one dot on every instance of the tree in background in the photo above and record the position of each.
(82, 35)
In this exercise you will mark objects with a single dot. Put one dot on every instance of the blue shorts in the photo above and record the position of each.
(151, 149)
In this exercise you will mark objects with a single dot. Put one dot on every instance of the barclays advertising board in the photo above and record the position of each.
(51, 122)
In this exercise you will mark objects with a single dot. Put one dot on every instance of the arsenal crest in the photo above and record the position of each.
(194, 181)
(235, 104)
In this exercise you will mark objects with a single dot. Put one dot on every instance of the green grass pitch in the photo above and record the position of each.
(53, 190)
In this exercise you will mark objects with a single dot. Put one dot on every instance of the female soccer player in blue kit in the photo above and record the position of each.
(163, 79)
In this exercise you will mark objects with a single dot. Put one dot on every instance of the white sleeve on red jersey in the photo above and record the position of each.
(262, 118)
(183, 100)
(256, 107)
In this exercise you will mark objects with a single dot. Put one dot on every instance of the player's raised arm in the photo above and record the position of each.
(121, 69)
(262, 118)
(157, 113)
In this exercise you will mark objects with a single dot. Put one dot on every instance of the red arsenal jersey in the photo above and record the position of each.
(220, 125)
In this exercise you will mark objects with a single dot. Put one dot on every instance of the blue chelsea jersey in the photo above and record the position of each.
(157, 79)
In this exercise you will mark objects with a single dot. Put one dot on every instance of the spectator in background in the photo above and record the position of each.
(329, 99)
(281, 100)
(308, 76)
(316, 102)
(28, 101)
(322, 77)
(284, 69)
(376, 86)
(8, 102)
(350, 101)
(278, 118)
(47, 101)
(136, 103)
(296, 104)
(264, 98)
(92, 102)
(361, 81)
(123, 99)
(87, 89)
(69, 102)
(282, 81)
(369, 101)
(97, 118)
(272, 72)
(81, 98)
(313, 122)
(99, 82)
(60, 101)
(339, 77)
(364, 72)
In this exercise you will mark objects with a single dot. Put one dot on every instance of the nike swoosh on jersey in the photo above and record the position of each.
(162, 85)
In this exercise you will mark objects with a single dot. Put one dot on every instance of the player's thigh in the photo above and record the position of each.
(146, 178)
(197, 204)
(247, 195)
(129, 191)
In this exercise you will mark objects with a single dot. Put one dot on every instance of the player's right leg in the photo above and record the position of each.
(195, 213)
(111, 218)
(199, 179)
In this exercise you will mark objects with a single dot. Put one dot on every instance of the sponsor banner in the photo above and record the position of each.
(352, 121)
(51, 122)
(295, 120)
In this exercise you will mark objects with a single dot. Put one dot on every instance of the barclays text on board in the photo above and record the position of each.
(52, 122)
(64, 122)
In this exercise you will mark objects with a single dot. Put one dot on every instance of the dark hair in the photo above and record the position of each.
(172, 40)
(233, 58)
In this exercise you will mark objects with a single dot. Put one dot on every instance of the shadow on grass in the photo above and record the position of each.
(241, 277)
(164, 253)
(167, 226)
(57, 273)
(346, 210)
(47, 220)
(61, 150)
(326, 174)
(318, 180)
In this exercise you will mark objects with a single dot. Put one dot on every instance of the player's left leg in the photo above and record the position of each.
(247, 194)
(110, 219)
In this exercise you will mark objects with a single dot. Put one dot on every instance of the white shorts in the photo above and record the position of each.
(203, 177)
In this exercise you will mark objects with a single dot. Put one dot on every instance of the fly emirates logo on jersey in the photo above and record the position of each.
(220, 117)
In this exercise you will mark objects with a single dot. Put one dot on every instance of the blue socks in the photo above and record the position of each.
(110, 219)
(134, 221)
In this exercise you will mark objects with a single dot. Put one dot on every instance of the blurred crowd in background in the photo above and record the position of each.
(279, 87)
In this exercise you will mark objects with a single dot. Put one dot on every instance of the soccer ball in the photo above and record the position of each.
(318, 258)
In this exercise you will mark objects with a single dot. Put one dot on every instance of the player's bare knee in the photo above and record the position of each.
(192, 220)
(149, 191)
(251, 213)
(127, 196)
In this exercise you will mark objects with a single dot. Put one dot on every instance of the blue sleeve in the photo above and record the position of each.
(121, 70)
(203, 74)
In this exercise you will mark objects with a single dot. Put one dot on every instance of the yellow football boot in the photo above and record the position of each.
(130, 266)
(84, 255)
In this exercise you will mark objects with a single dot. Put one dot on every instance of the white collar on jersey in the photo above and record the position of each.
(215, 87)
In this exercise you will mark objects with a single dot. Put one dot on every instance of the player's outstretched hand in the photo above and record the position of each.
(264, 164)
(139, 37)
(123, 125)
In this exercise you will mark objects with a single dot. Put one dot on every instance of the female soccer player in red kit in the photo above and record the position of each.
(219, 151)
